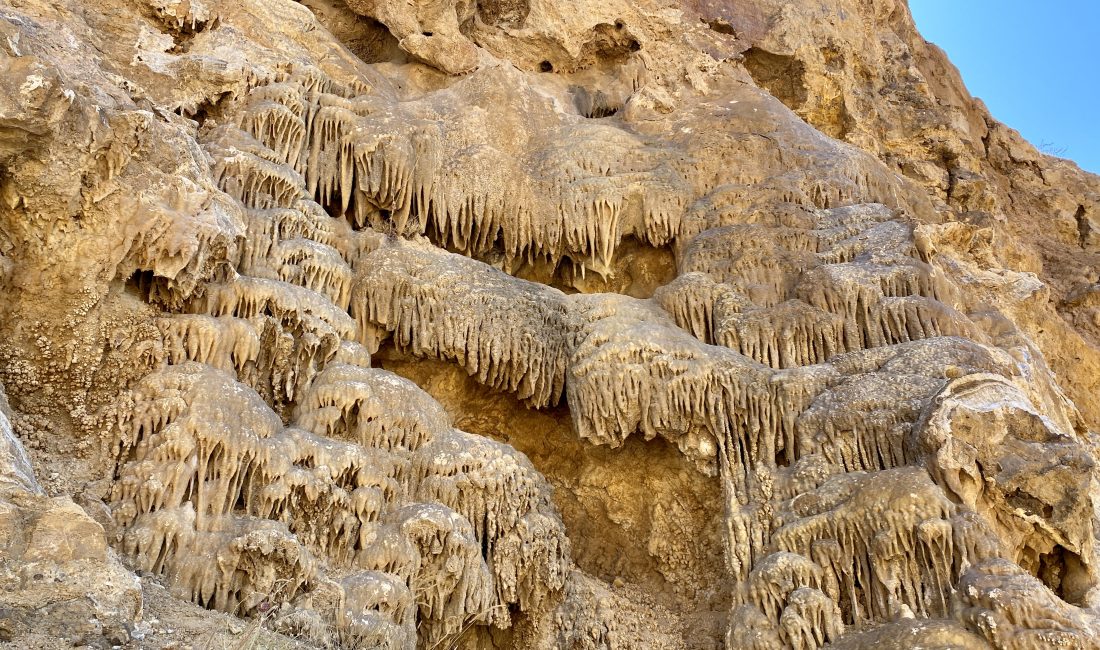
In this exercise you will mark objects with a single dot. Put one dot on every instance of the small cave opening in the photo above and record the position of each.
(1064, 573)
(781, 75)
(546, 66)
(638, 269)
(184, 34)
(183, 26)
(721, 26)
(1084, 228)
(601, 112)
(211, 107)
(368, 39)
(782, 458)
(143, 285)
(508, 14)
(611, 43)
(240, 506)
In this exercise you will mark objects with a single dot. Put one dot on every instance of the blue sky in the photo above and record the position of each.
(1035, 64)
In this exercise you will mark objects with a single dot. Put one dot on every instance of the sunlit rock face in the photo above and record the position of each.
(518, 324)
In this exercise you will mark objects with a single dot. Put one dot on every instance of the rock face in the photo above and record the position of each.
(519, 324)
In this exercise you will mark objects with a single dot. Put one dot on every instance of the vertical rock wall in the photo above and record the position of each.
(517, 324)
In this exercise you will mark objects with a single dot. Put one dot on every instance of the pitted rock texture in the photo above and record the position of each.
(522, 324)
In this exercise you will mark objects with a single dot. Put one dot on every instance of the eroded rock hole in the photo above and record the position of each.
(1084, 230)
(211, 107)
(637, 270)
(149, 288)
(781, 75)
(1063, 572)
(367, 38)
(510, 14)
(782, 458)
(721, 26)
(140, 284)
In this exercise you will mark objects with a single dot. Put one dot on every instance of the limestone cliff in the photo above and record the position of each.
(527, 324)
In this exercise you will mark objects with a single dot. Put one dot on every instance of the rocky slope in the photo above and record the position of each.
(519, 324)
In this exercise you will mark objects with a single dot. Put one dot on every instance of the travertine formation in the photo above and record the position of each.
(522, 324)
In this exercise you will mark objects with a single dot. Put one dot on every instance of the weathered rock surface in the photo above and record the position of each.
(521, 324)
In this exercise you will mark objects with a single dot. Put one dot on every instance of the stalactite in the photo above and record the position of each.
(453, 586)
(576, 201)
(1006, 469)
(774, 579)
(741, 257)
(692, 300)
(226, 343)
(788, 335)
(376, 481)
(252, 173)
(634, 370)
(305, 220)
(471, 213)
(752, 630)
(892, 530)
(303, 310)
(509, 334)
(510, 511)
(185, 241)
(774, 435)
(372, 408)
(313, 266)
(867, 296)
(863, 424)
(278, 126)
(858, 235)
(813, 354)
(819, 615)
(768, 203)
(376, 610)
(254, 564)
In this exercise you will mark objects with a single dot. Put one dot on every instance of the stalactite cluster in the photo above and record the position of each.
(773, 390)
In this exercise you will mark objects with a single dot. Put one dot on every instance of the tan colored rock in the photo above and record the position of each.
(65, 533)
(515, 324)
(427, 30)
(58, 576)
